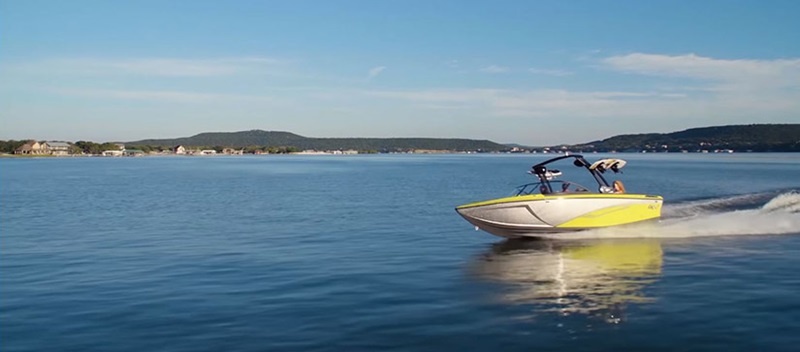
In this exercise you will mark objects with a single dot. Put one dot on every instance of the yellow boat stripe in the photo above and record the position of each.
(616, 215)
(559, 196)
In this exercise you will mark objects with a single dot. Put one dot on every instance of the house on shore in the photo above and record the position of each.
(58, 148)
(231, 151)
(179, 149)
(133, 152)
(112, 153)
(33, 148)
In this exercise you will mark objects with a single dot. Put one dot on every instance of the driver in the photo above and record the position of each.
(619, 187)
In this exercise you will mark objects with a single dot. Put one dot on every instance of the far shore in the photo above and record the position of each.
(322, 153)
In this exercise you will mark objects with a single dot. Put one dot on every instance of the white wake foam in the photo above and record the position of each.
(780, 215)
(714, 205)
(788, 202)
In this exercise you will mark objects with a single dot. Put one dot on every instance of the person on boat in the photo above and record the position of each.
(619, 187)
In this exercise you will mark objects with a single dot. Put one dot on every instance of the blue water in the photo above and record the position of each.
(365, 253)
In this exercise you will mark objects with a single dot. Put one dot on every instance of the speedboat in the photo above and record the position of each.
(552, 206)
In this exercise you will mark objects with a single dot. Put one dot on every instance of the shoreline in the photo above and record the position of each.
(44, 156)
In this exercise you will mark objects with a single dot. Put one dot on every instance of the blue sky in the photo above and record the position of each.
(530, 72)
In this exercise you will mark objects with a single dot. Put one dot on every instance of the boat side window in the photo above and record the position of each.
(527, 189)
(571, 187)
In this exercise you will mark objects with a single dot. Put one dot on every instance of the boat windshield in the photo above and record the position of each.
(557, 186)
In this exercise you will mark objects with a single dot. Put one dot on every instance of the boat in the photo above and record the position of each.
(551, 206)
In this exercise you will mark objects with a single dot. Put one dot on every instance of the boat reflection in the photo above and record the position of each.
(597, 278)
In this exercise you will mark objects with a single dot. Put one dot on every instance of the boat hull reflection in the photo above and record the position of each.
(594, 278)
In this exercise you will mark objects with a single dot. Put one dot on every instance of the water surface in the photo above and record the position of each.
(348, 253)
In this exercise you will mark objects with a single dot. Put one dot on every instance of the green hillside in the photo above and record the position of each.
(229, 139)
(286, 139)
(757, 138)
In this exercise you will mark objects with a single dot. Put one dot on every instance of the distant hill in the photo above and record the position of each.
(740, 138)
(287, 139)
(757, 138)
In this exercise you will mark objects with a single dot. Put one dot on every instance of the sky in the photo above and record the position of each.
(527, 72)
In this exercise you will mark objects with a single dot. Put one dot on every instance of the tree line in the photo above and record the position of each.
(757, 138)
(253, 149)
(10, 146)
(85, 147)
(244, 139)
(88, 147)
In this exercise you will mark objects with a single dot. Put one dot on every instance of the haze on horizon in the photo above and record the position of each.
(528, 72)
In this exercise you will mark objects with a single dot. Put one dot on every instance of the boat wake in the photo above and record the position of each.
(771, 213)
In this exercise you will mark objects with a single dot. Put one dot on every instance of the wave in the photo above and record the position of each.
(749, 214)
(696, 207)
(788, 202)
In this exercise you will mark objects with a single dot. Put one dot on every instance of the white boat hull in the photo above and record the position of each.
(526, 216)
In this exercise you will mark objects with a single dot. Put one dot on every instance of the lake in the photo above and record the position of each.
(366, 253)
